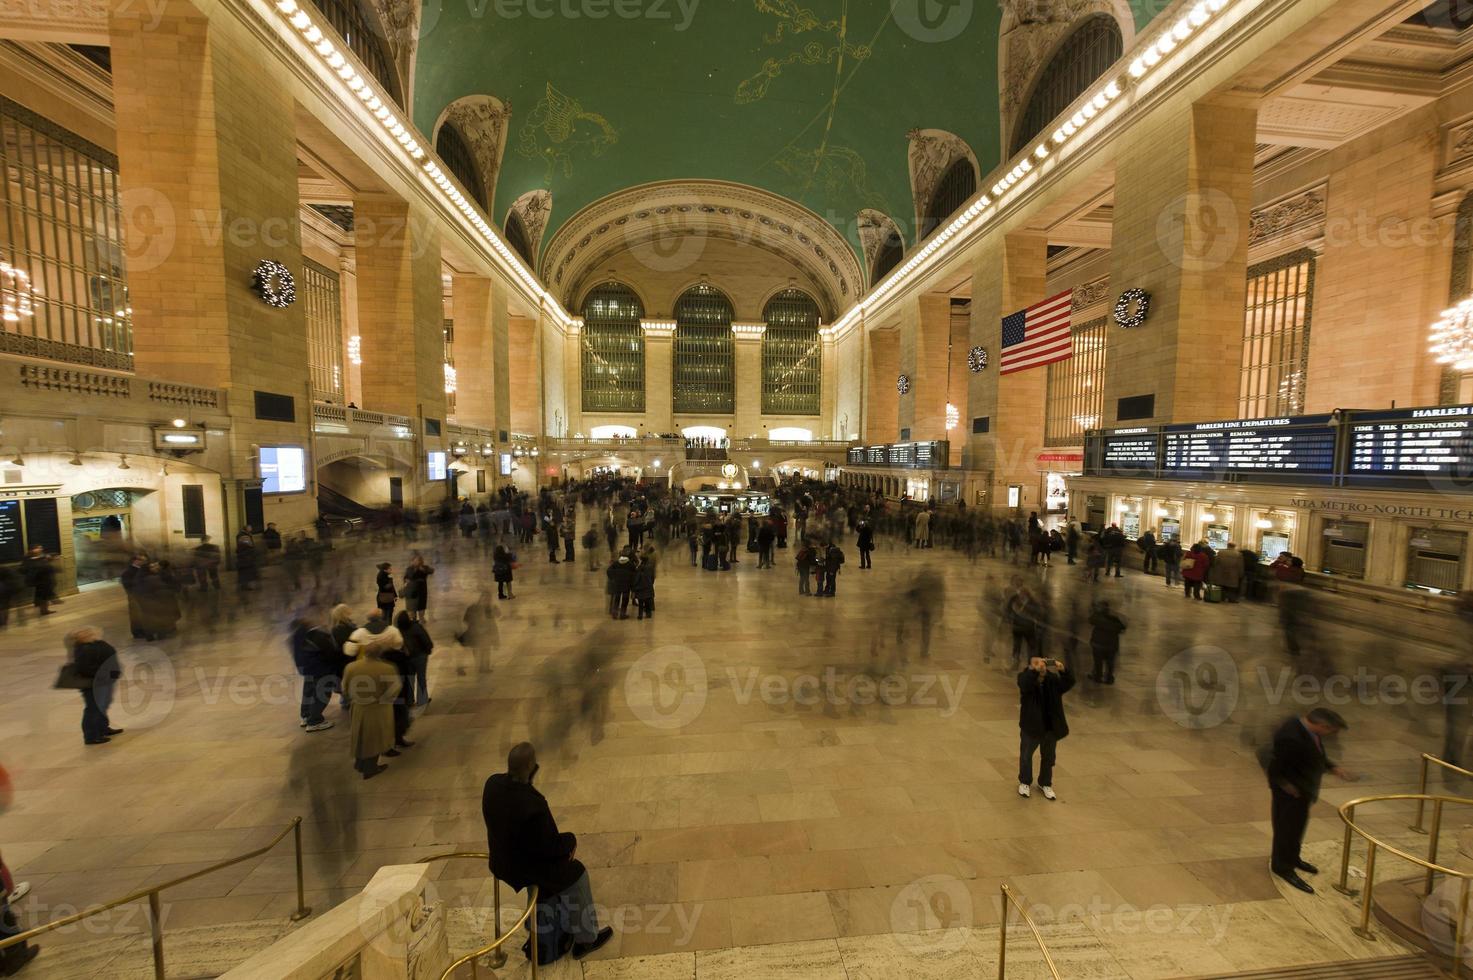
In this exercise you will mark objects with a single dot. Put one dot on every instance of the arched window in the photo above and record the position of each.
(519, 240)
(954, 189)
(892, 250)
(792, 356)
(355, 26)
(705, 367)
(612, 350)
(1084, 56)
(460, 161)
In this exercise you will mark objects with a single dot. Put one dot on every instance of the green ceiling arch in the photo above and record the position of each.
(811, 102)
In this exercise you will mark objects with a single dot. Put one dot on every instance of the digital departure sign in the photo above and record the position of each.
(1430, 447)
(1130, 452)
(1297, 449)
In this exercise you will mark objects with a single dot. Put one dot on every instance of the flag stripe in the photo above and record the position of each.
(1039, 335)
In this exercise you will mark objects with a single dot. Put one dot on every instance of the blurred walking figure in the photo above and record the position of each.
(40, 575)
(865, 542)
(620, 577)
(371, 684)
(417, 647)
(315, 656)
(479, 634)
(1104, 641)
(1171, 555)
(804, 560)
(1296, 765)
(417, 587)
(95, 665)
(387, 594)
(503, 563)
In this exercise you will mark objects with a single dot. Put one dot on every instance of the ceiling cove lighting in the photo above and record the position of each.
(1151, 55)
(362, 89)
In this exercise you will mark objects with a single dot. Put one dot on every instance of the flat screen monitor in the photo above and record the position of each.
(435, 467)
(283, 469)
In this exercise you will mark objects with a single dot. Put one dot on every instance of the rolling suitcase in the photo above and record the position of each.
(1213, 593)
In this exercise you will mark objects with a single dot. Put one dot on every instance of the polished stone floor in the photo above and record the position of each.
(762, 784)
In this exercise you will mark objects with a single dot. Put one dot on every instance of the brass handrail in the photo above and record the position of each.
(155, 914)
(1427, 760)
(1009, 900)
(1429, 863)
(499, 959)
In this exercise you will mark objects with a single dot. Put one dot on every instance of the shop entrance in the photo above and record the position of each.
(102, 529)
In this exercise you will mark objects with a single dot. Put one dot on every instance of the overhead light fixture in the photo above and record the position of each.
(178, 423)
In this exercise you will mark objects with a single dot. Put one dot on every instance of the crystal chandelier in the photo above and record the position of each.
(1452, 337)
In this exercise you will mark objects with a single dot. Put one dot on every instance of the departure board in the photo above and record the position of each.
(1297, 448)
(12, 547)
(1130, 451)
(1413, 447)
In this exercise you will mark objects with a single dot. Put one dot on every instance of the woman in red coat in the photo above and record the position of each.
(1194, 565)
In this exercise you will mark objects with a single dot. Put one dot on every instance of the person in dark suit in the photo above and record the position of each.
(1296, 764)
(527, 849)
(1041, 722)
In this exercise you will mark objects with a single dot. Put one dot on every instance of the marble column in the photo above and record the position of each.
(526, 376)
(1010, 274)
(925, 334)
(659, 393)
(747, 352)
(1183, 202)
(472, 298)
(882, 399)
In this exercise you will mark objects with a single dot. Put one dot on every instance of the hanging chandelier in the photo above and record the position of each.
(1452, 337)
(449, 380)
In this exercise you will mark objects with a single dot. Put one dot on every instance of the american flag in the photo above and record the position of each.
(1038, 335)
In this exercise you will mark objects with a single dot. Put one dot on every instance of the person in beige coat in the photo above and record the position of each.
(371, 683)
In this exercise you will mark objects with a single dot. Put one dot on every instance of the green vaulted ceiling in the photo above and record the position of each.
(811, 102)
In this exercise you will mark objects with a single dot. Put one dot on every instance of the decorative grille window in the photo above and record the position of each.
(519, 240)
(1276, 336)
(321, 296)
(612, 350)
(792, 355)
(889, 256)
(705, 366)
(954, 189)
(456, 153)
(1076, 388)
(355, 26)
(64, 291)
(1084, 56)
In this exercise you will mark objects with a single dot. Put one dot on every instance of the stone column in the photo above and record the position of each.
(501, 360)
(348, 301)
(1011, 273)
(828, 422)
(925, 335)
(472, 298)
(1183, 200)
(526, 376)
(747, 352)
(208, 170)
(882, 399)
(573, 378)
(659, 393)
(401, 309)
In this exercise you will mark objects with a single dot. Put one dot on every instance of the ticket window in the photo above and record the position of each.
(1094, 513)
(1345, 548)
(1435, 560)
(1168, 521)
(1217, 526)
(1274, 535)
(1128, 517)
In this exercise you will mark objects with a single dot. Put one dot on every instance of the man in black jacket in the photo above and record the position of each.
(1041, 723)
(1296, 765)
(527, 849)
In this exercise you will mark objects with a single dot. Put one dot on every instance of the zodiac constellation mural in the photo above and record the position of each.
(795, 20)
(558, 127)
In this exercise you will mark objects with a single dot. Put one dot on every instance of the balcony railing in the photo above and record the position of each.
(75, 382)
(337, 414)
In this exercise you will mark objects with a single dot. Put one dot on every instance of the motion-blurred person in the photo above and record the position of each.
(371, 684)
(40, 575)
(643, 587)
(620, 577)
(1024, 616)
(1105, 627)
(1041, 722)
(315, 656)
(1112, 539)
(417, 587)
(766, 535)
(865, 542)
(1170, 554)
(206, 563)
(95, 662)
(1194, 568)
(132, 583)
(503, 563)
(387, 595)
(1296, 764)
(528, 850)
(479, 633)
(804, 559)
(13, 959)
(417, 648)
(1226, 572)
(833, 560)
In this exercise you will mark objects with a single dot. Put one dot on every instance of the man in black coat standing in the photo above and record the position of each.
(1041, 722)
(1296, 764)
(527, 849)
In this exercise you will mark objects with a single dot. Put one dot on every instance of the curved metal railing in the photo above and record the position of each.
(155, 914)
(493, 949)
(1010, 901)
(1428, 864)
(1428, 761)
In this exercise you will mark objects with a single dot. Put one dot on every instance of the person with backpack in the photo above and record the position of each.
(833, 560)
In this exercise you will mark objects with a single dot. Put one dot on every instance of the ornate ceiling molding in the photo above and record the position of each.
(875, 227)
(1030, 33)
(534, 208)
(484, 121)
(400, 22)
(931, 154)
(672, 210)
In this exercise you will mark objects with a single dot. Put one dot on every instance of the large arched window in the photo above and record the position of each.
(460, 161)
(792, 356)
(705, 367)
(355, 26)
(954, 189)
(518, 239)
(892, 250)
(613, 350)
(1084, 56)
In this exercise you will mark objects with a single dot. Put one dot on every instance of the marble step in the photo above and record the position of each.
(1388, 968)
